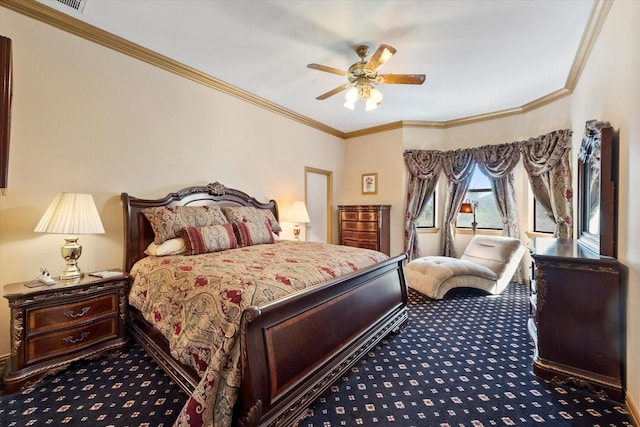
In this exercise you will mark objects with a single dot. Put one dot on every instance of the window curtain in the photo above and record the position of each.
(458, 167)
(497, 162)
(424, 169)
(547, 160)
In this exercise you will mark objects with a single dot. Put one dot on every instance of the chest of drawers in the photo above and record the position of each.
(55, 325)
(365, 226)
(577, 317)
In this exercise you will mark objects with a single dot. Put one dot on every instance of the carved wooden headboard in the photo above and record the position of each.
(137, 229)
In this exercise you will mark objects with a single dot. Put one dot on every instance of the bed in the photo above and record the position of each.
(291, 348)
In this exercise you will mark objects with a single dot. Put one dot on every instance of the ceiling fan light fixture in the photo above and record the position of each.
(365, 91)
(363, 73)
(352, 95)
(375, 95)
(370, 105)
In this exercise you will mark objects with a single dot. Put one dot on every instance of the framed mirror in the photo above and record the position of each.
(597, 189)
(5, 109)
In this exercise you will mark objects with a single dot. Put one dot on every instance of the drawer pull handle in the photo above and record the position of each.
(71, 340)
(84, 311)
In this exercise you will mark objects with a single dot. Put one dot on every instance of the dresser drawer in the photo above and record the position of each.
(360, 226)
(60, 316)
(368, 216)
(359, 216)
(359, 235)
(65, 341)
(361, 244)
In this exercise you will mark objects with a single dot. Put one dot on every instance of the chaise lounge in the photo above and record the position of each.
(488, 263)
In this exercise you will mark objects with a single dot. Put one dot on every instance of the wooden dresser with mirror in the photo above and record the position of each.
(577, 298)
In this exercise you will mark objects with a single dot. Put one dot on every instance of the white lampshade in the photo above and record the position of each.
(71, 213)
(297, 213)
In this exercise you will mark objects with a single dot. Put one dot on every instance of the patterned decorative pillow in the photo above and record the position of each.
(253, 233)
(211, 238)
(251, 214)
(168, 222)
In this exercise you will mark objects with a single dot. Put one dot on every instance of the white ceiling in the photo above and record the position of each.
(479, 56)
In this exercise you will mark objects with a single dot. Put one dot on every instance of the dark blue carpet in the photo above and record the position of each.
(462, 361)
(465, 360)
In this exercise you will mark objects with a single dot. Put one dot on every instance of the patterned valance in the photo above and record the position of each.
(539, 155)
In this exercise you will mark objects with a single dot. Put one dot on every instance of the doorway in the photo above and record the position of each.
(318, 188)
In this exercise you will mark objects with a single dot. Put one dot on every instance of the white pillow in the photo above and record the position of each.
(174, 246)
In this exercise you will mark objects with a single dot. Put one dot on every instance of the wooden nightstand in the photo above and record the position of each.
(55, 325)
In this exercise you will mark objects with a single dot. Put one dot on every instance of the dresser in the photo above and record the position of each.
(55, 325)
(365, 226)
(577, 317)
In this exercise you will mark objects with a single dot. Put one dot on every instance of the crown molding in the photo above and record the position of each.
(57, 19)
(599, 13)
(47, 15)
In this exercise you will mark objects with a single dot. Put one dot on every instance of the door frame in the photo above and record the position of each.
(329, 201)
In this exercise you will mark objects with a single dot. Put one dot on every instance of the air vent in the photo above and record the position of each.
(74, 4)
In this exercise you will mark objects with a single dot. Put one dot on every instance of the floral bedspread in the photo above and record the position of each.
(196, 302)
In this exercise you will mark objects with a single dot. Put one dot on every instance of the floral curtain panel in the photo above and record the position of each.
(458, 167)
(424, 169)
(546, 160)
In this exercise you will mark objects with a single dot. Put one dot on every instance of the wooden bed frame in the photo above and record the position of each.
(282, 373)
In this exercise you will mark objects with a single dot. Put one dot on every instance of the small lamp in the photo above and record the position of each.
(297, 214)
(470, 206)
(71, 214)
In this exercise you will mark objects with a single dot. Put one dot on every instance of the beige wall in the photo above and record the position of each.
(609, 89)
(382, 154)
(88, 119)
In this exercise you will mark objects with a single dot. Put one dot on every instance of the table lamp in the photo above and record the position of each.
(297, 214)
(71, 214)
(470, 206)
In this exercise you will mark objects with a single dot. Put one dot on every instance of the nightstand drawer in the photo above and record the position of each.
(60, 316)
(69, 340)
(360, 226)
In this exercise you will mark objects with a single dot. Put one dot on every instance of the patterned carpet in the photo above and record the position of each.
(461, 361)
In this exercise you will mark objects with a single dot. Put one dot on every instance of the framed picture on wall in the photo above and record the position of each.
(369, 183)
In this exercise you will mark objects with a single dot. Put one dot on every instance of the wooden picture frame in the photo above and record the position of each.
(369, 183)
(5, 109)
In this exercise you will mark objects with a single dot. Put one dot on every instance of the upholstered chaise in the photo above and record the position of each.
(488, 263)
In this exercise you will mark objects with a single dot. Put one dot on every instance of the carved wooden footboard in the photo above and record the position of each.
(296, 347)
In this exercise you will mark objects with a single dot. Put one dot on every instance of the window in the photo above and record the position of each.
(487, 215)
(427, 217)
(541, 221)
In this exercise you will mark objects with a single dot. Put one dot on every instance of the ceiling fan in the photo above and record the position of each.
(363, 74)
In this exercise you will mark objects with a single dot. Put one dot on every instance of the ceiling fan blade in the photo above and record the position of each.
(403, 79)
(334, 91)
(380, 57)
(328, 69)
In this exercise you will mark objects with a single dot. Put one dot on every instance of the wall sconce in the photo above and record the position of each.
(71, 214)
(297, 214)
(470, 206)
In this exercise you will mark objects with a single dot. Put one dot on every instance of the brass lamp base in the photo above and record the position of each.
(71, 251)
(296, 231)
